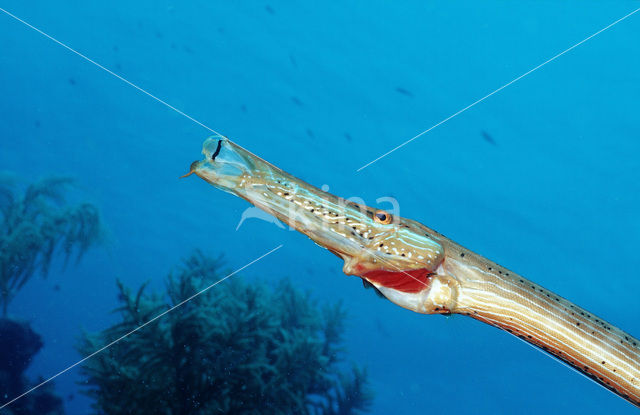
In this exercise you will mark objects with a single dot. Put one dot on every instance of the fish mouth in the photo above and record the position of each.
(231, 168)
(225, 164)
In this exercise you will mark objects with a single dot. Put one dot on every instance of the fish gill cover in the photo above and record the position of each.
(241, 348)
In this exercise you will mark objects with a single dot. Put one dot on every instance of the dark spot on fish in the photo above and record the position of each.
(297, 101)
(367, 285)
(404, 92)
(269, 9)
(488, 138)
(215, 153)
(461, 254)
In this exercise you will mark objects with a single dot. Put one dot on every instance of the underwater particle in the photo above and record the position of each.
(292, 59)
(347, 136)
(269, 9)
(243, 108)
(72, 81)
(487, 137)
(310, 133)
(297, 101)
(404, 92)
(37, 124)
(241, 348)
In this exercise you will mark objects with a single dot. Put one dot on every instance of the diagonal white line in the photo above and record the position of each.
(398, 269)
(109, 71)
(138, 328)
(499, 89)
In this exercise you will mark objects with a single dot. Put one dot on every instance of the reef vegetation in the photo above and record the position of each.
(36, 225)
(18, 345)
(238, 348)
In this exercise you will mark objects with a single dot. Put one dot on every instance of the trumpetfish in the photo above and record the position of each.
(420, 269)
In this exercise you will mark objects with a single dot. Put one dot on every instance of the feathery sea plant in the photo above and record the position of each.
(35, 224)
(239, 348)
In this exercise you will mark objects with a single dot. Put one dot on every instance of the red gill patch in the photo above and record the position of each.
(411, 281)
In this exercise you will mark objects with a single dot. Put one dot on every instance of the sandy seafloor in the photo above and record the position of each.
(320, 89)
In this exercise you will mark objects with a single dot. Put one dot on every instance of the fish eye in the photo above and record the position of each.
(382, 217)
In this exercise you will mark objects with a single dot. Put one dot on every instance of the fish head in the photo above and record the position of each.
(382, 248)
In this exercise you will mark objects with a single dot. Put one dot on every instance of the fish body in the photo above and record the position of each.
(422, 270)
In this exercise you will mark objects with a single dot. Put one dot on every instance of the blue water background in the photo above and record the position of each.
(317, 89)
